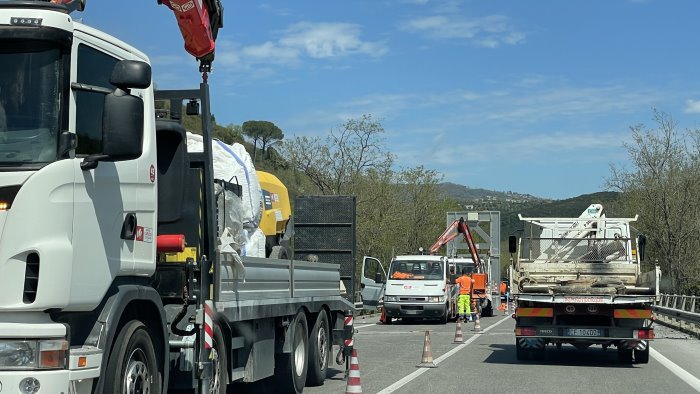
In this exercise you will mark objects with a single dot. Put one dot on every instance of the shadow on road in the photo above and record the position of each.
(567, 356)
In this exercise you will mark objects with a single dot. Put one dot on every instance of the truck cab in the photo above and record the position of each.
(417, 286)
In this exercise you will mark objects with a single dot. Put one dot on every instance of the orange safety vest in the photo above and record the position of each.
(503, 287)
(465, 284)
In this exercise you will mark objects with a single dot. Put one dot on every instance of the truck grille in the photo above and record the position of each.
(31, 278)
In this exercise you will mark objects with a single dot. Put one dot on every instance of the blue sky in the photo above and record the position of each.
(530, 96)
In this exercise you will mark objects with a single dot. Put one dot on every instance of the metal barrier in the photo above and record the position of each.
(679, 307)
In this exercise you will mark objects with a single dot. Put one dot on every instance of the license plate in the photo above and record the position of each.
(584, 332)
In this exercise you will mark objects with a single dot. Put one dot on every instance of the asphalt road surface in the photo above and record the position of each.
(485, 363)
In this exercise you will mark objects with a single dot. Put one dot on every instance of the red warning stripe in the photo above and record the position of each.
(534, 312)
(632, 313)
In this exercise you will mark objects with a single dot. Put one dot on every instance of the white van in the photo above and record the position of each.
(417, 286)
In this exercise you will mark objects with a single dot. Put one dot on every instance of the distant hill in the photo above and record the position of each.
(570, 207)
(470, 195)
(510, 204)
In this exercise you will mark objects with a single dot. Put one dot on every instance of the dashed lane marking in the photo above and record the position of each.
(408, 378)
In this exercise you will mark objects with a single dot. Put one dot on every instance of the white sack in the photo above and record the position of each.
(234, 161)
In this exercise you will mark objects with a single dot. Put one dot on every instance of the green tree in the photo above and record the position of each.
(261, 130)
(663, 186)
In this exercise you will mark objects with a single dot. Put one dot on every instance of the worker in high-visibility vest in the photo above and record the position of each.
(465, 290)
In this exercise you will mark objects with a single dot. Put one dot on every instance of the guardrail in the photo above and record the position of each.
(679, 307)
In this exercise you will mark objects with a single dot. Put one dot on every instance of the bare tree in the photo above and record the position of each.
(663, 186)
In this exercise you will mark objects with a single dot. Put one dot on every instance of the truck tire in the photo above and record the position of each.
(624, 356)
(291, 368)
(219, 380)
(642, 356)
(279, 252)
(521, 353)
(132, 366)
(319, 351)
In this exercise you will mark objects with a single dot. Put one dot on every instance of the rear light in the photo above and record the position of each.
(643, 334)
(525, 331)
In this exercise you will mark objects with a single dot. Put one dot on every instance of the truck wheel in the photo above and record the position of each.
(319, 351)
(487, 311)
(624, 356)
(132, 366)
(520, 352)
(219, 380)
(642, 356)
(293, 366)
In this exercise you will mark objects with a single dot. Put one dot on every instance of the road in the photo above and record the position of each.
(388, 357)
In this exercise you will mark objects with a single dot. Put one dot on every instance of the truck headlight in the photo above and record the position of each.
(440, 299)
(391, 298)
(33, 354)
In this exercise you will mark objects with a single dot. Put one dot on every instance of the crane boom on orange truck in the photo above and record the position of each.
(480, 287)
(199, 22)
(451, 232)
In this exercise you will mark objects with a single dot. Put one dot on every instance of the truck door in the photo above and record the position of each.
(372, 282)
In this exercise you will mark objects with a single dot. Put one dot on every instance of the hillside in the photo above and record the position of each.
(510, 204)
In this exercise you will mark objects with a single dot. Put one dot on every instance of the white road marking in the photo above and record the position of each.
(678, 371)
(357, 327)
(408, 378)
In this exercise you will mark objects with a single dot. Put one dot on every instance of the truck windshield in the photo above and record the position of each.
(30, 97)
(416, 270)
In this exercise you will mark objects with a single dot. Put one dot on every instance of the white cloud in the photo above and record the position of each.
(323, 40)
(692, 106)
(490, 31)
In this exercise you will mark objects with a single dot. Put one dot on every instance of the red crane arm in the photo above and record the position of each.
(461, 227)
(199, 22)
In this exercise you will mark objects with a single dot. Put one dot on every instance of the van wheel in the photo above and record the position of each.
(293, 366)
(319, 351)
(132, 366)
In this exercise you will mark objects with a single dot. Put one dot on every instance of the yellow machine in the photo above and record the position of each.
(276, 213)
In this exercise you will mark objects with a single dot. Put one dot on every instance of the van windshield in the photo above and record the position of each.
(416, 270)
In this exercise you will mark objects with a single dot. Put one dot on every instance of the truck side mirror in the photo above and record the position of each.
(512, 244)
(123, 115)
(378, 277)
(453, 278)
(641, 245)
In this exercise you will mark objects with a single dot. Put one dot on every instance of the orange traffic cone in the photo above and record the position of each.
(427, 358)
(353, 386)
(477, 324)
(458, 332)
(384, 319)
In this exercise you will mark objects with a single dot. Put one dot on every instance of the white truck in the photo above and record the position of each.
(114, 274)
(578, 281)
(417, 286)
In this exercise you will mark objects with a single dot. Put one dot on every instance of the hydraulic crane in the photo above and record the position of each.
(451, 232)
(199, 22)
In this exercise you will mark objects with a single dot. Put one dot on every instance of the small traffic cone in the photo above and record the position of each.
(477, 323)
(384, 319)
(427, 358)
(353, 386)
(458, 332)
